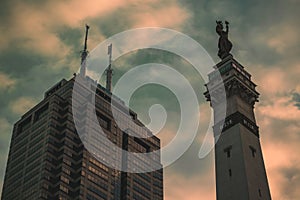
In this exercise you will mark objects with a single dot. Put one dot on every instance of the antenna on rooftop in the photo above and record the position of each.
(84, 53)
(109, 71)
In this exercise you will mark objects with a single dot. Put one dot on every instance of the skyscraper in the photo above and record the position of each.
(48, 159)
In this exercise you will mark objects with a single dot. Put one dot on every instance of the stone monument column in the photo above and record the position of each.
(239, 164)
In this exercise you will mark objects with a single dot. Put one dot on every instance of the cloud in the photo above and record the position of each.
(6, 81)
(22, 105)
(291, 177)
(168, 17)
(272, 81)
(31, 27)
(34, 25)
(5, 127)
(283, 169)
(296, 99)
(5, 130)
(282, 108)
(178, 187)
(280, 138)
(283, 42)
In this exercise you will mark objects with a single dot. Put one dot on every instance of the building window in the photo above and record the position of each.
(104, 121)
(41, 112)
(44, 195)
(253, 151)
(227, 150)
(259, 193)
(68, 152)
(62, 198)
(65, 170)
(66, 161)
(230, 172)
(24, 125)
(45, 185)
(63, 188)
(64, 179)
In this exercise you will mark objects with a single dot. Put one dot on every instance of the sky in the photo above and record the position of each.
(40, 43)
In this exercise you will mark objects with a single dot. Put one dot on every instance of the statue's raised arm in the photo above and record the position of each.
(227, 27)
(224, 44)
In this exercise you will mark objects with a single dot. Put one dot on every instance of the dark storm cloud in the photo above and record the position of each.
(111, 24)
(73, 39)
(189, 165)
(42, 77)
(34, 73)
(130, 60)
(251, 24)
(5, 13)
(146, 96)
(26, 68)
(70, 36)
(149, 95)
(296, 99)
(159, 56)
(19, 62)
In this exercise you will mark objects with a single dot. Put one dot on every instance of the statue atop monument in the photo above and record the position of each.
(224, 44)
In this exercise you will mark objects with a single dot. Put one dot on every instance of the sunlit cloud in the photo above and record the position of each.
(34, 26)
(23, 104)
(282, 108)
(6, 81)
(280, 156)
(169, 16)
(178, 187)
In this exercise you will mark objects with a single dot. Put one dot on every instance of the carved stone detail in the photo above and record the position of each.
(232, 87)
(235, 87)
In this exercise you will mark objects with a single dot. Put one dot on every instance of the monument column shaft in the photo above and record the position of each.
(240, 170)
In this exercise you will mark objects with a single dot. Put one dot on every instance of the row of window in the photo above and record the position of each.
(228, 149)
(98, 182)
(97, 172)
(63, 188)
(98, 164)
(98, 192)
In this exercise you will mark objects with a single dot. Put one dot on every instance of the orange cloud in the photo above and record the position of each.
(281, 108)
(169, 16)
(32, 28)
(166, 135)
(279, 156)
(34, 25)
(272, 81)
(280, 143)
(178, 187)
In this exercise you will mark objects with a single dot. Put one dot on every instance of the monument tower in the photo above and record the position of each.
(239, 164)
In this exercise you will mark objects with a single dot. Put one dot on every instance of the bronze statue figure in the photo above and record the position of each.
(224, 44)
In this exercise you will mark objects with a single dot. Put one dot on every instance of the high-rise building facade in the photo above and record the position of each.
(239, 165)
(48, 160)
